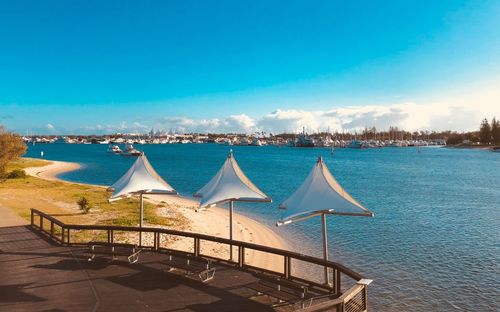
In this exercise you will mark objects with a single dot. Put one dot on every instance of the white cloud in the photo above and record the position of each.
(409, 116)
(234, 123)
(49, 126)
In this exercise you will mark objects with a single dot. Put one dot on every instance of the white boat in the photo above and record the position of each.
(115, 149)
(303, 140)
(355, 144)
(256, 142)
(131, 151)
(243, 141)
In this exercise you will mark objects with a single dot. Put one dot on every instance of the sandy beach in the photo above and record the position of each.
(51, 171)
(213, 221)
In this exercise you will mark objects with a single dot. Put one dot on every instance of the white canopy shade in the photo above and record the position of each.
(320, 193)
(230, 184)
(141, 178)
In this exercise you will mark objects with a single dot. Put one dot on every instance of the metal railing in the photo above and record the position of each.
(354, 299)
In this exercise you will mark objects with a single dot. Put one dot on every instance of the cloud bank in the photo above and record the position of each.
(409, 116)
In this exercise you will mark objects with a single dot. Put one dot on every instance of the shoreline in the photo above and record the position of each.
(212, 221)
(51, 171)
(480, 147)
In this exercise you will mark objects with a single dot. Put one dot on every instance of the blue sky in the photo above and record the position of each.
(104, 66)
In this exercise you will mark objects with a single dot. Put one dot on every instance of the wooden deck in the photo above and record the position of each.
(37, 274)
(44, 267)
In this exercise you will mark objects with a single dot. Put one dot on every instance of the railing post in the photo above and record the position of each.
(287, 266)
(241, 256)
(109, 236)
(62, 235)
(365, 297)
(51, 229)
(32, 217)
(336, 274)
(196, 247)
(364, 294)
(112, 236)
(41, 223)
(68, 237)
(158, 241)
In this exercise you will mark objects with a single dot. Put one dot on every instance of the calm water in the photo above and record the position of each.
(433, 244)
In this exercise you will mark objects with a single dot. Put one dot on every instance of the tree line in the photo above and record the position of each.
(489, 133)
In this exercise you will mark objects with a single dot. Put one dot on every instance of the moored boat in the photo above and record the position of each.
(355, 144)
(131, 151)
(115, 149)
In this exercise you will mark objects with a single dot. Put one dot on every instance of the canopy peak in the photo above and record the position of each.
(230, 184)
(321, 193)
(141, 178)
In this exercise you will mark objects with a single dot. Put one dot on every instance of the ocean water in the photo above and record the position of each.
(433, 245)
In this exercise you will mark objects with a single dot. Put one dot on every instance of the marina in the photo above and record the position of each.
(300, 140)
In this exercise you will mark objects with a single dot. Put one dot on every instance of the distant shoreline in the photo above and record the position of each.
(479, 147)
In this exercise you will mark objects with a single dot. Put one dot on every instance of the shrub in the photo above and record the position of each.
(84, 205)
(17, 174)
(11, 148)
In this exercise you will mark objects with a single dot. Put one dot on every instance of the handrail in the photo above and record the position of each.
(340, 299)
(272, 250)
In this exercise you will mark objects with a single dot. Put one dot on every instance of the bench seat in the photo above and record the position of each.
(282, 289)
(114, 250)
(190, 265)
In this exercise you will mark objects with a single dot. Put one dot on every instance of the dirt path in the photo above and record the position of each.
(10, 218)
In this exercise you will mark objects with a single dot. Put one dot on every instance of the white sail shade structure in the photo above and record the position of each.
(140, 179)
(230, 184)
(320, 194)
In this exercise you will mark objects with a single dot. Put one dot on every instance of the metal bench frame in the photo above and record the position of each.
(205, 273)
(132, 256)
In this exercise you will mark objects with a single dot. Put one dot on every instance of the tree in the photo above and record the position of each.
(485, 132)
(495, 131)
(11, 148)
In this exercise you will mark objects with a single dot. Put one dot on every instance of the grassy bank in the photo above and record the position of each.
(60, 199)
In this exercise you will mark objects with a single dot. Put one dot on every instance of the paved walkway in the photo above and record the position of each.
(38, 275)
(10, 218)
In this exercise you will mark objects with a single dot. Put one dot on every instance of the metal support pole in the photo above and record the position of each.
(231, 206)
(325, 246)
(140, 219)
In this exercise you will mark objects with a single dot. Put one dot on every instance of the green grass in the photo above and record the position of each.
(25, 163)
(60, 199)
